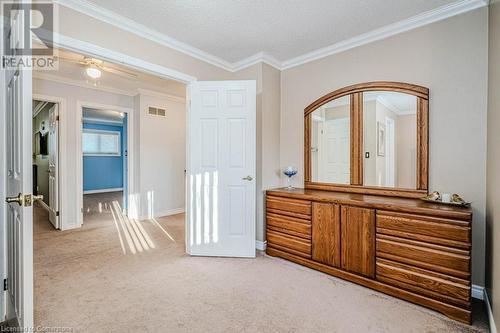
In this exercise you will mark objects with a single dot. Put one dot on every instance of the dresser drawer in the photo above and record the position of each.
(424, 228)
(288, 243)
(452, 261)
(289, 225)
(424, 282)
(291, 207)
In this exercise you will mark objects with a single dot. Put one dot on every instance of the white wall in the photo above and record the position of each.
(162, 156)
(449, 57)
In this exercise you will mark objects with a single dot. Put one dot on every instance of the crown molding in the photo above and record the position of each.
(91, 120)
(131, 26)
(420, 20)
(78, 83)
(255, 59)
(157, 94)
(108, 89)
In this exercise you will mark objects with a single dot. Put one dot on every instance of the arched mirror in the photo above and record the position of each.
(369, 138)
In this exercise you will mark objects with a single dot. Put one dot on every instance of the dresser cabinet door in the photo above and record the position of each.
(326, 233)
(358, 240)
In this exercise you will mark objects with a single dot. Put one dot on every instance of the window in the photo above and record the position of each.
(101, 143)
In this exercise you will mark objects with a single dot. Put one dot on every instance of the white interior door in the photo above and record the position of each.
(221, 169)
(19, 217)
(336, 151)
(53, 166)
(19, 180)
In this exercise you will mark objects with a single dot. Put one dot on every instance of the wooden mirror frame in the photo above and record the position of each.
(356, 149)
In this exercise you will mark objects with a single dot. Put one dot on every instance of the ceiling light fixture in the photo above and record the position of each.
(93, 72)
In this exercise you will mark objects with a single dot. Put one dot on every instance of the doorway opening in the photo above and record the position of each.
(45, 138)
(104, 162)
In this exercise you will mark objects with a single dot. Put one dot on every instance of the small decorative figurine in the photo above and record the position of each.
(290, 172)
(457, 199)
(446, 199)
(433, 196)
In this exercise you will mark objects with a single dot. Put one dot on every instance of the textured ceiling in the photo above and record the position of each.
(234, 30)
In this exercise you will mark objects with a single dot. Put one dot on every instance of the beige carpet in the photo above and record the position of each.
(90, 280)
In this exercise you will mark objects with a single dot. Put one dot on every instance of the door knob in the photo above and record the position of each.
(19, 199)
(37, 197)
(24, 200)
(249, 178)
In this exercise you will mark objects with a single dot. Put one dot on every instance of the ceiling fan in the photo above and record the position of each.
(95, 67)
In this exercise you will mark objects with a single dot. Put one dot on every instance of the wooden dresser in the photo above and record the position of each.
(403, 247)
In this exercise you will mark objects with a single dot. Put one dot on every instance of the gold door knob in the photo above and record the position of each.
(19, 199)
(249, 178)
(37, 197)
(24, 200)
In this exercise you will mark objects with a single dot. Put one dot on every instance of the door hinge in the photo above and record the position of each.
(57, 213)
(5, 285)
(57, 118)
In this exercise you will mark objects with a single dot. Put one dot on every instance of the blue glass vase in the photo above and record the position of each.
(290, 172)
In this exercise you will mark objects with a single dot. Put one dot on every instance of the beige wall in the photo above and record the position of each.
(161, 153)
(450, 58)
(493, 174)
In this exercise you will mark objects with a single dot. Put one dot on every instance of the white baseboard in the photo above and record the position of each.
(493, 327)
(165, 213)
(44, 205)
(104, 190)
(260, 245)
(477, 292)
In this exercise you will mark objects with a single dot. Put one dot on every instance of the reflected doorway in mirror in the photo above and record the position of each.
(380, 139)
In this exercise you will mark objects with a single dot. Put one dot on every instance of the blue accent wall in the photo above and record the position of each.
(104, 172)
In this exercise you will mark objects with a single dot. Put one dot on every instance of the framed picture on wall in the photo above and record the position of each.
(380, 139)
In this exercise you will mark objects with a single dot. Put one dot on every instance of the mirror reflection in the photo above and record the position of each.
(330, 142)
(389, 139)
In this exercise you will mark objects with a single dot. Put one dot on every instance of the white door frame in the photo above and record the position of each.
(3, 177)
(102, 53)
(61, 158)
(390, 162)
(79, 153)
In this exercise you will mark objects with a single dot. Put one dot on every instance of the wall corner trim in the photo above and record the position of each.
(260, 245)
(169, 212)
(493, 327)
(478, 292)
(104, 190)
(170, 97)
